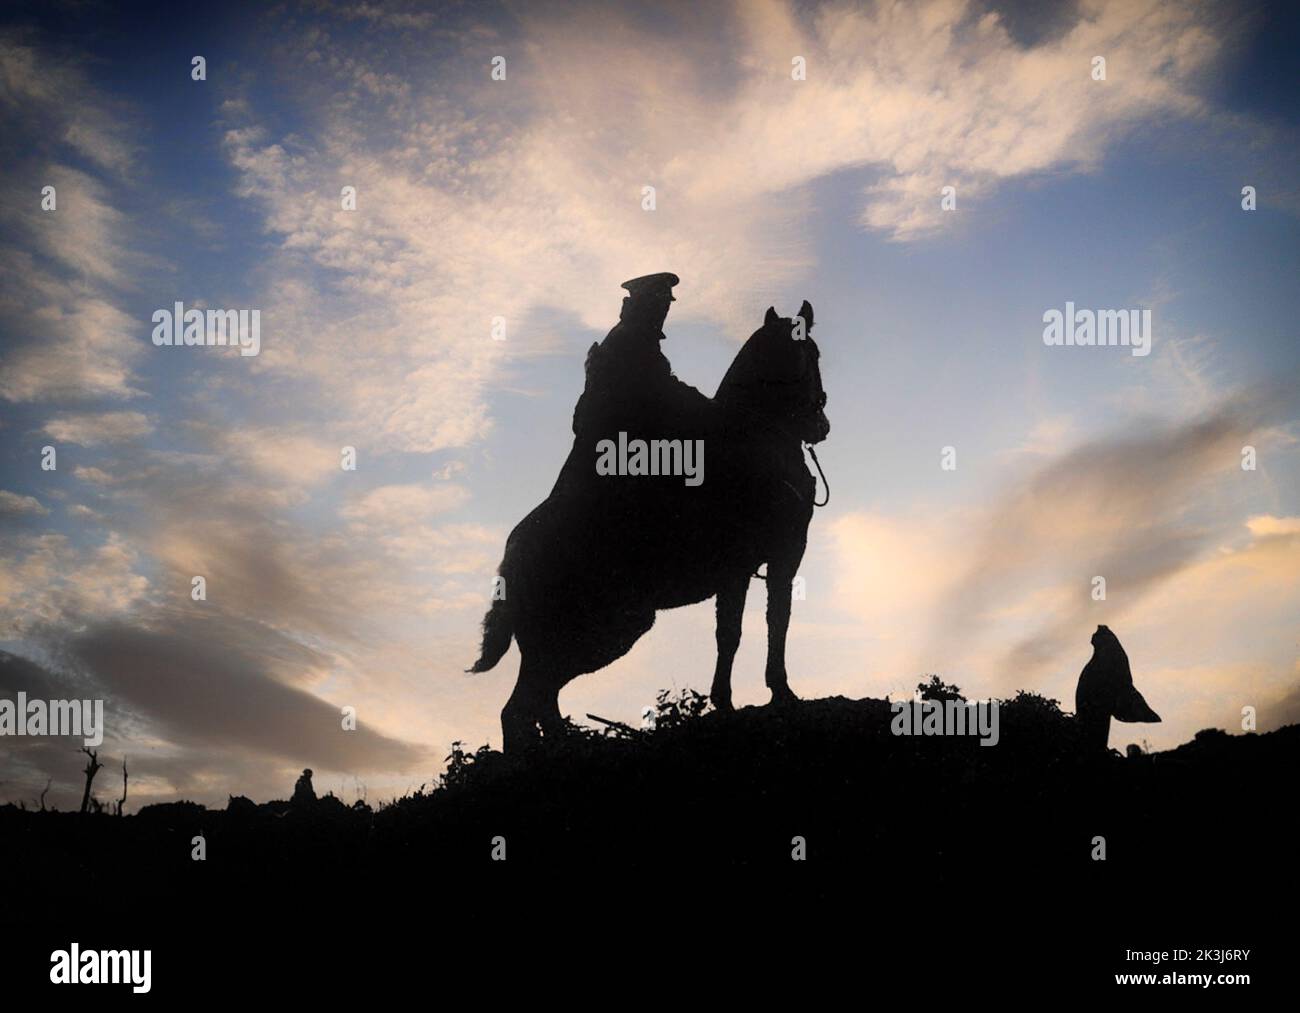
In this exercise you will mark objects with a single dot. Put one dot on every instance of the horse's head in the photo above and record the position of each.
(777, 376)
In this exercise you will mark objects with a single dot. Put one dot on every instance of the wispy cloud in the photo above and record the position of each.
(1124, 509)
(461, 220)
(60, 96)
(14, 503)
(68, 337)
(93, 429)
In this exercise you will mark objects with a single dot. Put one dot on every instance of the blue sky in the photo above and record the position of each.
(522, 199)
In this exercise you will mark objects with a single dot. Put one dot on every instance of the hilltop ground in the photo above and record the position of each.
(732, 790)
(708, 805)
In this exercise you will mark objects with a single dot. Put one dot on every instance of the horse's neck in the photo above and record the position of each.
(740, 384)
(750, 419)
(728, 385)
(740, 398)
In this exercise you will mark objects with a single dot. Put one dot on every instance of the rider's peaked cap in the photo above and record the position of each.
(653, 284)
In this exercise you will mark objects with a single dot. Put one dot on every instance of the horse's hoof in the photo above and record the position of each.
(721, 703)
(783, 696)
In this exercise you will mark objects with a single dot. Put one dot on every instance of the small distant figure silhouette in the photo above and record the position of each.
(1106, 691)
(303, 792)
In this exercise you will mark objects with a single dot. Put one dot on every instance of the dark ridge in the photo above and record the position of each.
(727, 791)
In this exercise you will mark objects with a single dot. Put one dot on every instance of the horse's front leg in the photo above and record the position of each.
(780, 580)
(731, 607)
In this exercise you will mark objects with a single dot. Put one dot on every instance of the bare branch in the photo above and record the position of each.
(122, 801)
(92, 768)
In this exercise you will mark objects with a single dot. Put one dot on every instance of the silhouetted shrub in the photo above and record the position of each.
(673, 712)
(1035, 725)
(241, 805)
(1035, 705)
(937, 689)
(460, 765)
(329, 802)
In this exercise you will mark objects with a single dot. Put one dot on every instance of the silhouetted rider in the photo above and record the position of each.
(630, 384)
(631, 387)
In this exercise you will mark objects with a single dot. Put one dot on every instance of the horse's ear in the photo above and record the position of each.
(771, 317)
(806, 311)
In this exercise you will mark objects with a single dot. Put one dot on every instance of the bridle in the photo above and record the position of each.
(818, 404)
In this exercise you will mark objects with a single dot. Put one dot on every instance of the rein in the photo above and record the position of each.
(813, 450)
(807, 446)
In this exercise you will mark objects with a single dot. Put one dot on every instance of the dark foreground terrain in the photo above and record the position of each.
(911, 844)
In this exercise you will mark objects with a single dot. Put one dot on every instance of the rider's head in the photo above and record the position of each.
(648, 299)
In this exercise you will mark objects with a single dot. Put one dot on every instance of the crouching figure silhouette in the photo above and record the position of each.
(1106, 691)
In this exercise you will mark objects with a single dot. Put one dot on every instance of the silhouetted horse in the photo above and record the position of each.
(584, 574)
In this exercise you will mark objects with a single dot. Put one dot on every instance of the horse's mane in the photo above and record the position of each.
(760, 361)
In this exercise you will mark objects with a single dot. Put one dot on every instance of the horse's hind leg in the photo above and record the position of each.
(534, 702)
(548, 706)
(518, 725)
(731, 607)
(526, 708)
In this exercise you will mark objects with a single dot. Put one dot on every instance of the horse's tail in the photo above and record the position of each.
(498, 630)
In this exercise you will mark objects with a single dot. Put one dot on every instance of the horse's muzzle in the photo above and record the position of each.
(820, 428)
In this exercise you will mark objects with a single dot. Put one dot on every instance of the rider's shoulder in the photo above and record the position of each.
(622, 333)
(628, 341)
